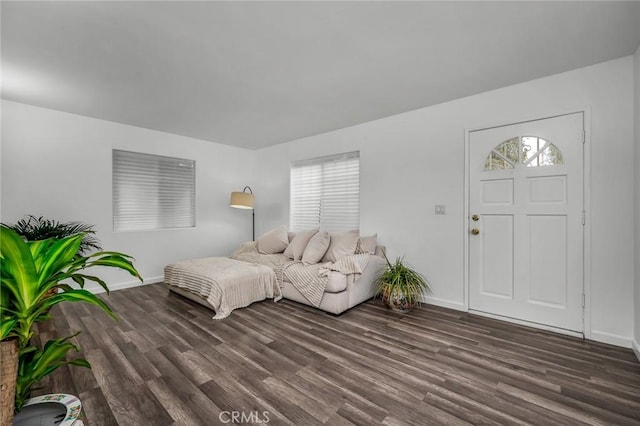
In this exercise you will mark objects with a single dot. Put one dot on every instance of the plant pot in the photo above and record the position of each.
(56, 409)
(398, 304)
(8, 377)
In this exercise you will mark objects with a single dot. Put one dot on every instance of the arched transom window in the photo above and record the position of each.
(530, 151)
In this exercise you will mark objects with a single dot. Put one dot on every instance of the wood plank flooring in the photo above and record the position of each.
(166, 362)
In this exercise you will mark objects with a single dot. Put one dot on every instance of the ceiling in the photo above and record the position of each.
(254, 74)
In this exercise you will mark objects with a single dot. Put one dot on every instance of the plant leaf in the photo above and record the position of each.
(91, 278)
(7, 327)
(17, 262)
(57, 257)
(34, 364)
(117, 262)
(75, 295)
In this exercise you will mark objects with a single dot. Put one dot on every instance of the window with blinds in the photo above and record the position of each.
(325, 193)
(152, 192)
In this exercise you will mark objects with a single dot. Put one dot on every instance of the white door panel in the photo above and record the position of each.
(526, 192)
(547, 253)
(497, 241)
(497, 192)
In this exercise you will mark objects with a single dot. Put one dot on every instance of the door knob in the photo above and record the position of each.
(475, 231)
(475, 218)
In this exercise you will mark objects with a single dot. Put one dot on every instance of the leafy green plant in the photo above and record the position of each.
(29, 270)
(400, 286)
(34, 364)
(34, 228)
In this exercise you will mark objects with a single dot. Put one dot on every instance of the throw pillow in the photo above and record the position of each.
(367, 244)
(296, 247)
(274, 241)
(316, 248)
(342, 244)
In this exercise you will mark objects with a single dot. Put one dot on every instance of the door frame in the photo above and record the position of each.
(586, 188)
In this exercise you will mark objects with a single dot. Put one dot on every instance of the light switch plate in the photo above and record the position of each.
(440, 209)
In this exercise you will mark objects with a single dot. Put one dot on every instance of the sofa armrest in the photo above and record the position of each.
(365, 286)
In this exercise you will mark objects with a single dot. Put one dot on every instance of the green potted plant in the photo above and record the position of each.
(38, 228)
(400, 286)
(33, 228)
(28, 271)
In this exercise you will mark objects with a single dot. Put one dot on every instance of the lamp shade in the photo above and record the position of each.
(241, 200)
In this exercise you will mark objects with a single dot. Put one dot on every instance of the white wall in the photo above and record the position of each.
(636, 322)
(419, 156)
(58, 165)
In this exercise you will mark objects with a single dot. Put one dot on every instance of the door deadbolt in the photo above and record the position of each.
(475, 231)
(475, 218)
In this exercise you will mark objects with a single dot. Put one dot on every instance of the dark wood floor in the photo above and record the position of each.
(167, 362)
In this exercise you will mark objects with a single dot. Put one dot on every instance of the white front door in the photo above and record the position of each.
(526, 221)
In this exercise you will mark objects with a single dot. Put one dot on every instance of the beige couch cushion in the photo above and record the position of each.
(342, 244)
(316, 248)
(274, 241)
(367, 244)
(296, 247)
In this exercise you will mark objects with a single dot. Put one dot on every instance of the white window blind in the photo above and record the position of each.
(325, 193)
(152, 192)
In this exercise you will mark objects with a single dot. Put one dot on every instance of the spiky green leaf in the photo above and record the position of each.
(76, 295)
(57, 256)
(6, 327)
(117, 262)
(91, 278)
(17, 263)
(36, 364)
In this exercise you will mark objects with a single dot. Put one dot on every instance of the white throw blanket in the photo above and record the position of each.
(226, 283)
(310, 280)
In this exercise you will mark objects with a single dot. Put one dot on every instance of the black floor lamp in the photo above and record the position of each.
(244, 200)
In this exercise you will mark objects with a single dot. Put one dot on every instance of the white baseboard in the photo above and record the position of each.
(636, 348)
(444, 303)
(96, 289)
(611, 339)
